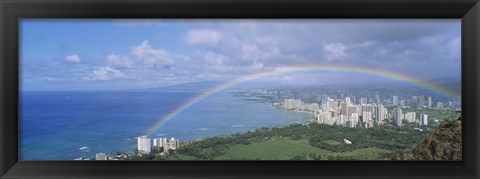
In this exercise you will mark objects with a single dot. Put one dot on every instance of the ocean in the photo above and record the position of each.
(68, 125)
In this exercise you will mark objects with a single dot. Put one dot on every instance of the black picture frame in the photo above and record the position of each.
(12, 10)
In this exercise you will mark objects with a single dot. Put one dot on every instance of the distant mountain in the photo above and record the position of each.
(444, 144)
(452, 83)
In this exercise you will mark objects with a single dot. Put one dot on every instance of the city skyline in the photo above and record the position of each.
(126, 54)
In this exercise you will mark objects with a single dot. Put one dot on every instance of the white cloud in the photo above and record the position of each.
(380, 51)
(150, 56)
(115, 60)
(430, 40)
(214, 58)
(203, 37)
(74, 58)
(49, 78)
(335, 51)
(261, 51)
(104, 73)
(364, 44)
(454, 47)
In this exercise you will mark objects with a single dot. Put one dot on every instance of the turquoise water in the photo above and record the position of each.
(68, 125)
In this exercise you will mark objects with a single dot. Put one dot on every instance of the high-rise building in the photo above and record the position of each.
(353, 120)
(344, 108)
(101, 156)
(174, 143)
(293, 103)
(423, 119)
(332, 104)
(398, 116)
(144, 144)
(353, 109)
(395, 100)
(159, 142)
(410, 117)
(439, 105)
(341, 120)
(379, 114)
(368, 108)
(324, 117)
(347, 100)
(429, 102)
(367, 119)
(363, 101)
(313, 107)
(422, 102)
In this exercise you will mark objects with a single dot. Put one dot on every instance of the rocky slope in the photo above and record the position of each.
(444, 144)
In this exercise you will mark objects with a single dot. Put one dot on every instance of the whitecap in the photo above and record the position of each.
(84, 149)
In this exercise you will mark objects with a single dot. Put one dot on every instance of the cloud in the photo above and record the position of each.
(104, 73)
(364, 44)
(335, 51)
(119, 61)
(49, 78)
(150, 56)
(215, 58)
(454, 47)
(74, 58)
(380, 51)
(203, 37)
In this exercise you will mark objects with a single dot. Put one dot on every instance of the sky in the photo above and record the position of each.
(136, 54)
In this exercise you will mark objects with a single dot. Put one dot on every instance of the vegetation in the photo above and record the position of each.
(312, 141)
(444, 144)
(304, 141)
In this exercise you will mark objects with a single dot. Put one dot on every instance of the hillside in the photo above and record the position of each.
(444, 144)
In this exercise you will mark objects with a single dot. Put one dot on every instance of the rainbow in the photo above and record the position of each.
(301, 68)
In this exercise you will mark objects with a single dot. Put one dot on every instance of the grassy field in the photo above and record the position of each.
(285, 149)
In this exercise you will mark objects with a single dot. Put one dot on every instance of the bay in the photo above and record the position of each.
(66, 125)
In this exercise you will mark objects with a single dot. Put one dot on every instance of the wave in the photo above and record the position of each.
(238, 125)
(84, 149)
(202, 129)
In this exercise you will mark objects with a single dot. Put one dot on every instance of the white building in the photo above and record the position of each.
(293, 103)
(379, 114)
(313, 107)
(439, 105)
(410, 117)
(395, 100)
(144, 144)
(325, 117)
(367, 119)
(363, 101)
(174, 143)
(353, 120)
(423, 119)
(341, 120)
(159, 142)
(101, 156)
(348, 101)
